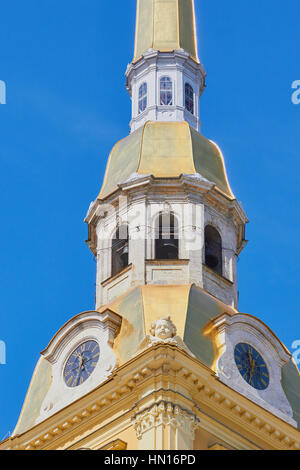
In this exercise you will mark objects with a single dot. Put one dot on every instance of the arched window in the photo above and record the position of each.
(213, 249)
(189, 98)
(143, 97)
(166, 236)
(119, 250)
(166, 91)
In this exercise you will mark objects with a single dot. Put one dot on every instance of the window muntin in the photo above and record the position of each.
(143, 90)
(166, 237)
(166, 91)
(189, 98)
(213, 249)
(120, 250)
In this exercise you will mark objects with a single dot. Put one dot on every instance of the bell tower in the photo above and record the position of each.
(165, 361)
(166, 214)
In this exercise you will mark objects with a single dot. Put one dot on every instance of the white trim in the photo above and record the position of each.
(88, 326)
(181, 69)
(242, 328)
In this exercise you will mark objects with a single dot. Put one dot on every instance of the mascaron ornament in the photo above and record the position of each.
(163, 331)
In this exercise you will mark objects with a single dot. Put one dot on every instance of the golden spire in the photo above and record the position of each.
(165, 25)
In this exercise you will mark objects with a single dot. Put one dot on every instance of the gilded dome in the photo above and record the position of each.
(165, 150)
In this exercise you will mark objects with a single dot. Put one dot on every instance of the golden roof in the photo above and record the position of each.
(191, 309)
(165, 150)
(165, 25)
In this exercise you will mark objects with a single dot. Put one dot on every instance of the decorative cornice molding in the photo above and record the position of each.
(173, 364)
(225, 319)
(185, 186)
(152, 57)
(107, 320)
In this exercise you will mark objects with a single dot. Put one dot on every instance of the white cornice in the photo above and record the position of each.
(152, 57)
(241, 320)
(190, 184)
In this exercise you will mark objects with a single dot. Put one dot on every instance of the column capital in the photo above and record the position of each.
(168, 414)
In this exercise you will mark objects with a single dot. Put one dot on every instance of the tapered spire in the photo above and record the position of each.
(165, 25)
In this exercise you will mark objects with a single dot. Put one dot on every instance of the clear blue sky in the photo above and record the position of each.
(64, 63)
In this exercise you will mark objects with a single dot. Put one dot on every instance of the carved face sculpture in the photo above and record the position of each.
(163, 329)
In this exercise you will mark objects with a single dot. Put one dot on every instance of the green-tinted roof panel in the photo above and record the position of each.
(187, 24)
(39, 386)
(209, 162)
